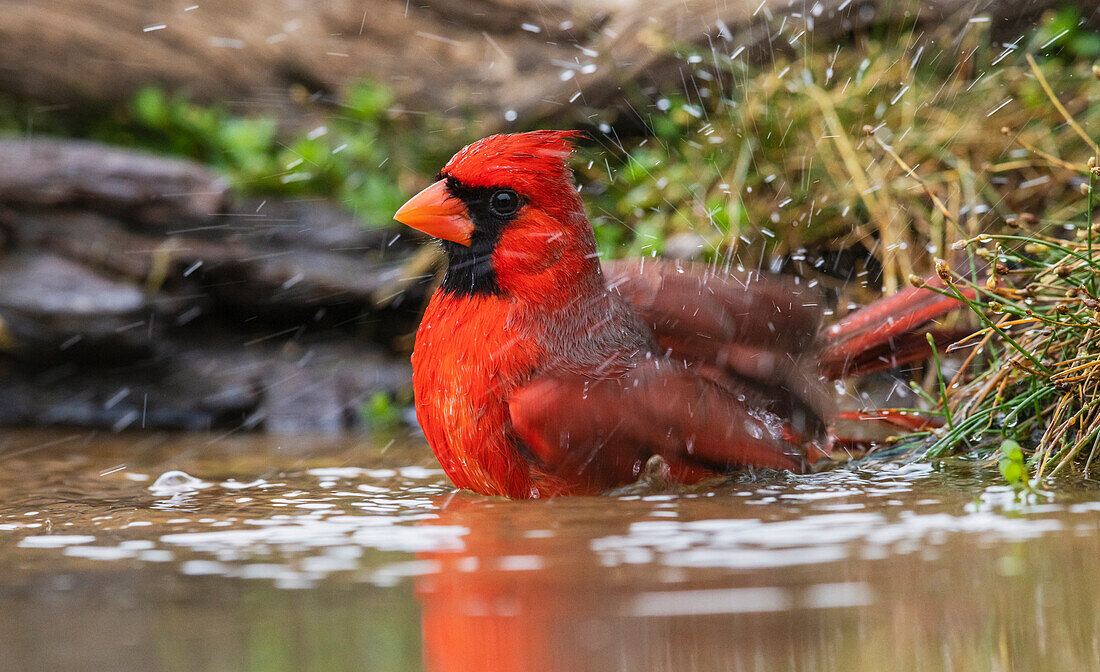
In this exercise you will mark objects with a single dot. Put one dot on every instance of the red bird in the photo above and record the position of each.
(537, 371)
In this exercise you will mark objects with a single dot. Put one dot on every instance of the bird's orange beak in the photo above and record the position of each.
(438, 213)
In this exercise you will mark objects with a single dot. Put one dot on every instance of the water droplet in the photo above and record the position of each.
(175, 481)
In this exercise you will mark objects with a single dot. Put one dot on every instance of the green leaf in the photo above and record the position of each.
(1012, 451)
(380, 412)
(1086, 46)
(368, 101)
(150, 107)
(1012, 470)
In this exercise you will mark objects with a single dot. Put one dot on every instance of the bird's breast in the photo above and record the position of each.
(469, 356)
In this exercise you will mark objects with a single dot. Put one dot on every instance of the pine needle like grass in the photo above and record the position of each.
(1031, 383)
(1037, 379)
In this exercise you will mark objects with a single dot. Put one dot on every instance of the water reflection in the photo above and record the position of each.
(333, 557)
(543, 586)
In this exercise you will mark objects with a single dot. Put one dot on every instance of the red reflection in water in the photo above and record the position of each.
(529, 593)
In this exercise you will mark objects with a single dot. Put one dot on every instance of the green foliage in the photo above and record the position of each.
(1012, 464)
(360, 155)
(766, 161)
(1036, 298)
(367, 102)
(381, 413)
(244, 148)
(1064, 34)
(359, 150)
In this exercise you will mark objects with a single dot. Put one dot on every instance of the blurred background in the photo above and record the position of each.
(195, 199)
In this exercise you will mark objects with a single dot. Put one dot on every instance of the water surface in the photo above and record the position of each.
(314, 554)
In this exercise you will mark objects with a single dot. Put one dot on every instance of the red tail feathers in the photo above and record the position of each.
(888, 333)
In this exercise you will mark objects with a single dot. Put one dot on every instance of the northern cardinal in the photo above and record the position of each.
(538, 371)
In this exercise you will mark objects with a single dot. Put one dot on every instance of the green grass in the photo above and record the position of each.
(779, 159)
(1032, 379)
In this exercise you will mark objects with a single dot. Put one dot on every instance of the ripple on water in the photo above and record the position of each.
(384, 525)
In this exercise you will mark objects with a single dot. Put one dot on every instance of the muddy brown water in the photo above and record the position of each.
(299, 554)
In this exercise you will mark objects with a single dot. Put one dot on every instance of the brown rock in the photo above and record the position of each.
(52, 172)
(49, 305)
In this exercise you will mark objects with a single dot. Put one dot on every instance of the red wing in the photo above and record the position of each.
(596, 434)
(696, 303)
(752, 326)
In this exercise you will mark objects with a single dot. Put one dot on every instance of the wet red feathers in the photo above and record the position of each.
(553, 375)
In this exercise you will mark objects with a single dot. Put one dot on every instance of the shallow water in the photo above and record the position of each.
(304, 554)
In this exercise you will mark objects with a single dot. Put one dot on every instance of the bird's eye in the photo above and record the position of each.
(504, 202)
